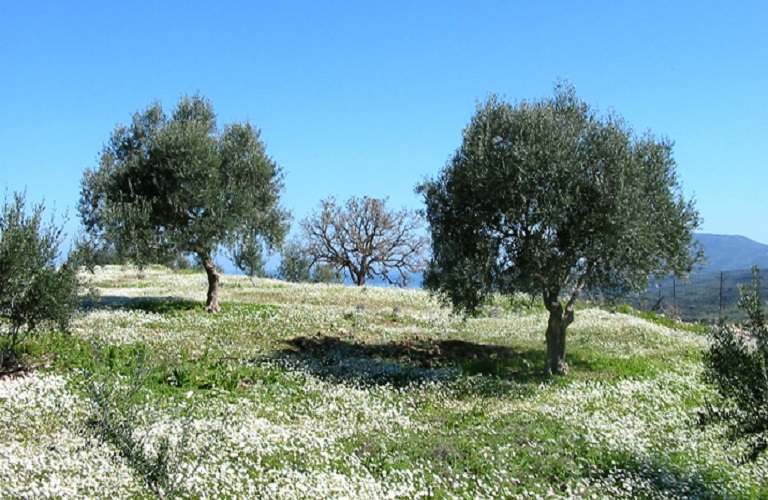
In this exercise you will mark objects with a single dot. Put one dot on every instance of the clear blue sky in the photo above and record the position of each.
(369, 98)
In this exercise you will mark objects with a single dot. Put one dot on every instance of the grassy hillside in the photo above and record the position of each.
(318, 391)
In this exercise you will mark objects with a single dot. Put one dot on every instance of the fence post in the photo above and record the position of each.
(720, 313)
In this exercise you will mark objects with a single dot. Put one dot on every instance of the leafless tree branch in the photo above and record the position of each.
(366, 239)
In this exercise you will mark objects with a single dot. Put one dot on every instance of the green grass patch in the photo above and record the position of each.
(700, 328)
(247, 308)
(189, 272)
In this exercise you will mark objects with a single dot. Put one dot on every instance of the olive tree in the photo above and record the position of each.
(36, 291)
(365, 239)
(298, 267)
(736, 364)
(175, 185)
(549, 198)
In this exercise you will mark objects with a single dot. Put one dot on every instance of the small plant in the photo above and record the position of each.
(118, 407)
(34, 292)
(737, 365)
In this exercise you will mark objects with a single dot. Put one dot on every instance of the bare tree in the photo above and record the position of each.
(366, 239)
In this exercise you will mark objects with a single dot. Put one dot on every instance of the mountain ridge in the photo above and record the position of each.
(731, 252)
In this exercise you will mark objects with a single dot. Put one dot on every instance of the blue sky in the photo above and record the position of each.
(369, 98)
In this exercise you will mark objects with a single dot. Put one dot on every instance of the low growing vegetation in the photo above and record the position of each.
(327, 391)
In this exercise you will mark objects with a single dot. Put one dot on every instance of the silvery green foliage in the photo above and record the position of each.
(737, 364)
(171, 185)
(249, 258)
(549, 198)
(35, 292)
(296, 266)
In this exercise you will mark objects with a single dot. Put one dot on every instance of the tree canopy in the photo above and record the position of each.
(549, 198)
(365, 239)
(180, 185)
(34, 290)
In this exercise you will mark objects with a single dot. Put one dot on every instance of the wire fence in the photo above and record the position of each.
(706, 297)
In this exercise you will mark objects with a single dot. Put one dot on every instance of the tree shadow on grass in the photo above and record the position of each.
(160, 305)
(650, 477)
(404, 361)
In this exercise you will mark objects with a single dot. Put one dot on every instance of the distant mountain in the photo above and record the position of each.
(723, 253)
(731, 253)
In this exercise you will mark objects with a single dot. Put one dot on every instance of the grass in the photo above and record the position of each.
(662, 320)
(328, 391)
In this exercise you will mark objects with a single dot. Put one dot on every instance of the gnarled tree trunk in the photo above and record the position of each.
(212, 299)
(357, 273)
(559, 319)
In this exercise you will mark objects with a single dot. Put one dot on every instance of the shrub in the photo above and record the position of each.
(119, 403)
(34, 292)
(737, 365)
(297, 266)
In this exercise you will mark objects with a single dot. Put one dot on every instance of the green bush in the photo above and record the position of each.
(737, 365)
(296, 266)
(35, 292)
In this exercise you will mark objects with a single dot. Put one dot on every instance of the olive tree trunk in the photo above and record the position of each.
(212, 299)
(559, 319)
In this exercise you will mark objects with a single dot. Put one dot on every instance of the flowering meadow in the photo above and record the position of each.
(329, 391)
